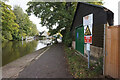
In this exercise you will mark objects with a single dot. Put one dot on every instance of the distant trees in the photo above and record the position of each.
(9, 26)
(15, 23)
(27, 28)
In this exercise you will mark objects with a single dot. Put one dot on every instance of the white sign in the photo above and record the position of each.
(88, 47)
(88, 23)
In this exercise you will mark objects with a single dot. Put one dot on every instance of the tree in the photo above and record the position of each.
(40, 33)
(15, 24)
(99, 2)
(27, 28)
(60, 14)
(8, 23)
(33, 30)
(21, 21)
(51, 14)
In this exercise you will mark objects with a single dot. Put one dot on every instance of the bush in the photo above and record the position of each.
(67, 39)
(17, 37)
(7, 35)
(78, 65)
(99, 67)
(3, 39)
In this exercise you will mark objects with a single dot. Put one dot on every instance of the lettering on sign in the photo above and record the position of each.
(88, 39)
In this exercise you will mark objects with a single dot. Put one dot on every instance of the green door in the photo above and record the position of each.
(80, 39)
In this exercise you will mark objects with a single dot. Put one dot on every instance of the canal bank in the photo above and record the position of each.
(12, 69)
(13, 50)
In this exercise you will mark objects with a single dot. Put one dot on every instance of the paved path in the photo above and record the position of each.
(51, 64)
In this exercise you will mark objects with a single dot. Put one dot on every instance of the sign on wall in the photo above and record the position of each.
(88, 23)
(88, 39)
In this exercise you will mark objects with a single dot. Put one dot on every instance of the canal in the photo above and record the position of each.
(13, 50)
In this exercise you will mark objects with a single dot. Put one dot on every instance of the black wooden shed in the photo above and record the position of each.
(101, 16)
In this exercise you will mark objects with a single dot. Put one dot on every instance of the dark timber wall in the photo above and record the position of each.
(100, 17)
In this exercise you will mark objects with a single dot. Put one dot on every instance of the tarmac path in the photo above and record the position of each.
(51, 64)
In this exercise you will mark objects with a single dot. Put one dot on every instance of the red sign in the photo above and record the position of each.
(88, 39)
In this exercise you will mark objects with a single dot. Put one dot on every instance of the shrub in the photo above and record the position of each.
(67, 39)
(7, 35)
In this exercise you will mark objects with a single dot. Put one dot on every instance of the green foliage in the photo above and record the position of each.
(7, 19)
(100, 2)
(7, 35)
(67, 39)
(51, 13)
(33, 30)
(27, 28)
(15, 23)
(54, 13)
(78, 65)
(99, 64)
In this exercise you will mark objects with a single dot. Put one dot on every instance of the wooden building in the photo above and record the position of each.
(101, 16)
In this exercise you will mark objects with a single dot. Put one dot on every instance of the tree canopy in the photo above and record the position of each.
(58, 14)
(15, 23)
(51, 14)
(8, 23)
(27, 28)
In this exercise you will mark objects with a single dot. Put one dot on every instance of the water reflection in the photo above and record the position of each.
(15, 49)
(40, 45)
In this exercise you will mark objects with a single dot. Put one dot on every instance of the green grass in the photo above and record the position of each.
(78, 65)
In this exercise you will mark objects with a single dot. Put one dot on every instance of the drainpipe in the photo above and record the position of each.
(104, 49)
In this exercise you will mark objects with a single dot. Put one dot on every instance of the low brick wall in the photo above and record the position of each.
(95, 52)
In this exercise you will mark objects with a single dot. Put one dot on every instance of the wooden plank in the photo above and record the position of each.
(112, 59)
(119, 51)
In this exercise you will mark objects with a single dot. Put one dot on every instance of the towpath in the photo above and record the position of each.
(51, 64)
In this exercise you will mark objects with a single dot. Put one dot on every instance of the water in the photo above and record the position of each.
(40, 45)
(13, 50)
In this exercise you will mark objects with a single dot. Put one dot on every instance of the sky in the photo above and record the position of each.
(113, 6)
(33, 18)
(110, 4)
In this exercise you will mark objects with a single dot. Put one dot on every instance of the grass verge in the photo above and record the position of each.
(78, 65)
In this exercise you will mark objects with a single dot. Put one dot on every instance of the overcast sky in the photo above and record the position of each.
(23, 5)
(110, 4)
